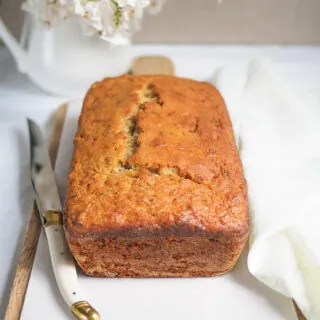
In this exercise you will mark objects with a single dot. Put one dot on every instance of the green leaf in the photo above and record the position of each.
(117, 14)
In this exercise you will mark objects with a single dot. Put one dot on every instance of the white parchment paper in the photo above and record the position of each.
(234, 295)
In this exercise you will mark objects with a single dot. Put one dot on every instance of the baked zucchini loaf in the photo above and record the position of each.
(156, 187)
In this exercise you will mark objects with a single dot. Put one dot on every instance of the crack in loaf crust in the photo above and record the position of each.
(156, 187)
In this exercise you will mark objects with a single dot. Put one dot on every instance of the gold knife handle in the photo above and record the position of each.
(52, 217)
(84, 311)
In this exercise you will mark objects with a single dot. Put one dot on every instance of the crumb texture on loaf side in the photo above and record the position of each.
(155, 257)
(155, 155)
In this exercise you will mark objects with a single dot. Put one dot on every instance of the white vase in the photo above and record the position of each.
(63, 61)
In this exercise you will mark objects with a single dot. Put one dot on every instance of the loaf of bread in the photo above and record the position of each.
(156, 187)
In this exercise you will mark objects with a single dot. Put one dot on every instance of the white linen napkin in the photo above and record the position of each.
(277, 129)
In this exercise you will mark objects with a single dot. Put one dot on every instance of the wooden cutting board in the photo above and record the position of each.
(142, 65)
(31, 238)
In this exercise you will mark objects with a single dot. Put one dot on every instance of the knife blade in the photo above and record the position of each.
(50, 210)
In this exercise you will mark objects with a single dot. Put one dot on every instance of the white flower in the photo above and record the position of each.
(48, 11)
(156, 6)
(133, 3)
(114, 20)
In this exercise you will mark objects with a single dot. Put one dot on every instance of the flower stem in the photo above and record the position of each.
(117, 15)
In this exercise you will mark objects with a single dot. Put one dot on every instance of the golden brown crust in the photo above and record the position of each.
(155, 157)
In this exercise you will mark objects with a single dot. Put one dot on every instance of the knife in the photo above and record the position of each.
(50, 210)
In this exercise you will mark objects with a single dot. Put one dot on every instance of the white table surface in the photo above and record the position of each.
(19, 98)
